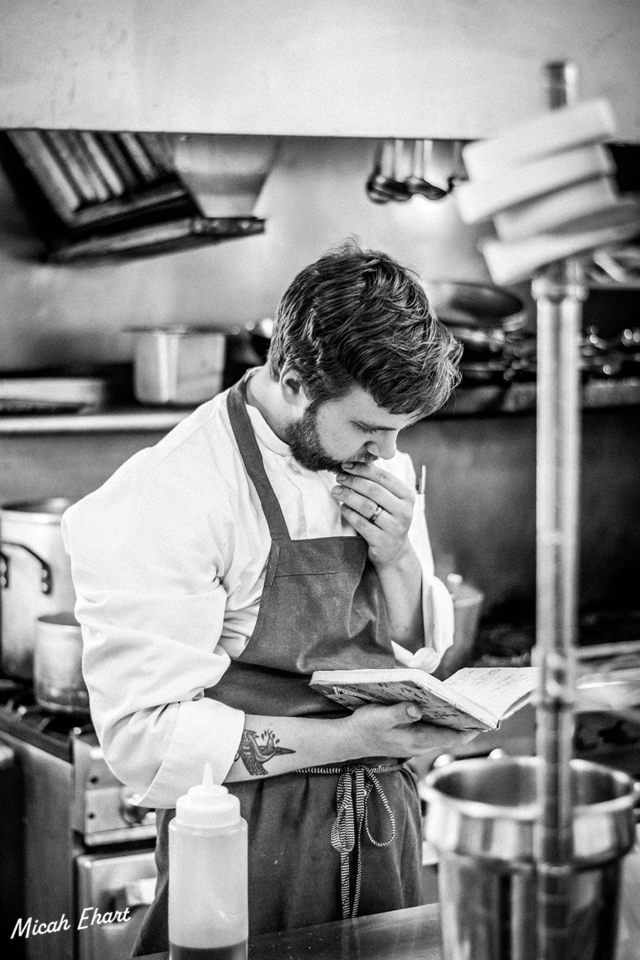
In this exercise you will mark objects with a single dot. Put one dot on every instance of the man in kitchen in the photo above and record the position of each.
(274, 532)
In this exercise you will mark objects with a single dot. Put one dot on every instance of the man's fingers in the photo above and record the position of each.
(379, 476)
(366, 506)
(396, 729)
(371, 532)
(367, 488)
(407, 712)
(410, 711)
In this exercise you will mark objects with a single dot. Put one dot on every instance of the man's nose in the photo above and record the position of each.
(383, 447)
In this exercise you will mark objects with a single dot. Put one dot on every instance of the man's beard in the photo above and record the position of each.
(306, 448)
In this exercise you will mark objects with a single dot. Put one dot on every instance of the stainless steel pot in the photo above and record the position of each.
(35, 576)
(483, 818)
(178, 365)
(57, 667)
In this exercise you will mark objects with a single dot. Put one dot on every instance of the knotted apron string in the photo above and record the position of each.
(346, 832)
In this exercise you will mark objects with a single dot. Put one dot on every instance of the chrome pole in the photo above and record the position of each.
(559, 291)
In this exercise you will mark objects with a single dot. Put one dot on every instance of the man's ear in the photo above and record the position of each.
(292, 389)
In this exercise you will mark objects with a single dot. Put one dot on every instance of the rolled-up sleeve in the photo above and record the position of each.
(147, 568)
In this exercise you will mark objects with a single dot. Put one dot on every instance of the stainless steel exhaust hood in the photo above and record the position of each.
(102, 195)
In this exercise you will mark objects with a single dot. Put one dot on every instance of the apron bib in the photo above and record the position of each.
(325, 843)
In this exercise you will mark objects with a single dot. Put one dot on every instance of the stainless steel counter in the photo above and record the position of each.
(412, 934)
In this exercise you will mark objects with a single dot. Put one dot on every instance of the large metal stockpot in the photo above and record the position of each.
(35, 576)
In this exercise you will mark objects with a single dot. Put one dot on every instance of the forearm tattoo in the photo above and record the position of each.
(256, 750)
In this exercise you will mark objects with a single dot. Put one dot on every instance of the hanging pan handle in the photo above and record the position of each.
(46, 575)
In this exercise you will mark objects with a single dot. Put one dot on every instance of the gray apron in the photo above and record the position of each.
(325, 843)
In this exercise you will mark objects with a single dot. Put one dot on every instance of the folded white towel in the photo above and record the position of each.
(481, 199)
(512, 262)
(589, 122)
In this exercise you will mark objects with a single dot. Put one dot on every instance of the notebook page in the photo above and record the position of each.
(497, 688)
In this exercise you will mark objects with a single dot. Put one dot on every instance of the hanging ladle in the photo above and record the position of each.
(380, 187)
(417, 184)
(376, 185)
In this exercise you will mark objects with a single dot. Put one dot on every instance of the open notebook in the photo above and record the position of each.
(474, 698)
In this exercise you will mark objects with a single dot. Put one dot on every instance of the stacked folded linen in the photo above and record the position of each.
(549, 185)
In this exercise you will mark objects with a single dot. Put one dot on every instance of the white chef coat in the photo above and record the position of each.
(168, 561)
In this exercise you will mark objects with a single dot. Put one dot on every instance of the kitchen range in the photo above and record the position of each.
(77, 847)
(75, 842)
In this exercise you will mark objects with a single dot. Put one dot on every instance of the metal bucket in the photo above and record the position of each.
(481, 818)
(467, 607)
(57, 667)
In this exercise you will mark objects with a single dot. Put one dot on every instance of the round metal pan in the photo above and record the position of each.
(479, 306)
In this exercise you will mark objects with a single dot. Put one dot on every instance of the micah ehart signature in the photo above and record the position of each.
(89, 916)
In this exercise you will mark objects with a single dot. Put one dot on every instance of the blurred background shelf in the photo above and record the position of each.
(521, 397)
(116, 420)
(467, 401)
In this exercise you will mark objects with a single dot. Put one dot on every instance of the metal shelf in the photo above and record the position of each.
(117, 420)
(466, 401)
(521, 397)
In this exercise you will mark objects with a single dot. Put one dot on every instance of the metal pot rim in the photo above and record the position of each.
(177, 330)
(48, 510)
(479, 809)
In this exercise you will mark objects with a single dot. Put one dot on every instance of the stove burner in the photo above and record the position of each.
(39, 719)
(24, 705)
(24, 718)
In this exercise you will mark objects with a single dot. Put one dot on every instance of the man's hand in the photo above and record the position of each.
(395, 731)
(367, 491)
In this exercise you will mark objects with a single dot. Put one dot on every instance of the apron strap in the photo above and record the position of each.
(356, 782)
(252, 459)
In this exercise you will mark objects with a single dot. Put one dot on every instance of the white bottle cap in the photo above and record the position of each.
(208, 805)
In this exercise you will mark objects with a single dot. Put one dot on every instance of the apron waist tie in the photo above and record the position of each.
(356, 782)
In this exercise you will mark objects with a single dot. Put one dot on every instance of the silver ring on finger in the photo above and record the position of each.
(374, 516)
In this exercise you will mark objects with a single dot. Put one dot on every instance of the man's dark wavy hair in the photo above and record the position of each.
(358, 317)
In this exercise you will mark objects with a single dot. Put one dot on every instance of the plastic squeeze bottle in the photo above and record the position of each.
(208, 885)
